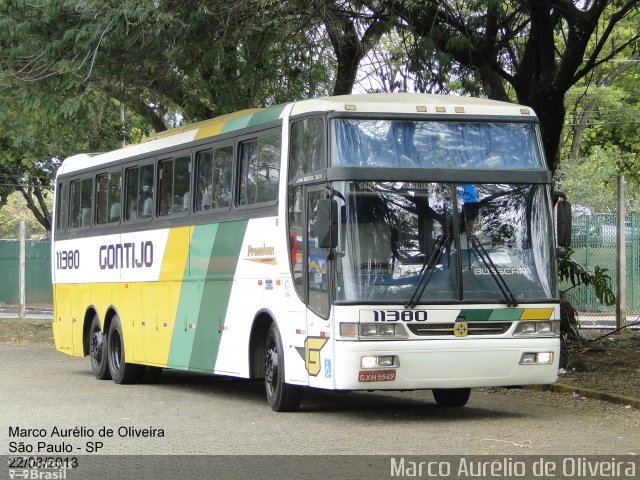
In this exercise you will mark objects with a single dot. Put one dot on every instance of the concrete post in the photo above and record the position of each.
(621, 261)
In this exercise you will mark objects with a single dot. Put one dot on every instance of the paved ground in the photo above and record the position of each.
(30, 313)
(216, 415)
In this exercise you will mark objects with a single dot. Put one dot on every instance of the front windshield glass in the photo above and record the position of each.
(434, 144)
(466, 237)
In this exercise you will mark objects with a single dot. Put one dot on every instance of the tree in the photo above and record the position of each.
(353, 32)
(601, 141)
(66, 68)
(537, 48)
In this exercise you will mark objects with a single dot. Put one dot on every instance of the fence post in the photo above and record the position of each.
(621, 262)
(635, 238)
(21, 263)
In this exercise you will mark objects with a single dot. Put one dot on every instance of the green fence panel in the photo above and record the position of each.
(38, 290)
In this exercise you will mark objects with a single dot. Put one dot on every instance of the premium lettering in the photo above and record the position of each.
(260, 251)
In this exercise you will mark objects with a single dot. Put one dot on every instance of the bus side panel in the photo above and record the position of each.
(160, 300)
(204, 299)
(62, 326)
(215, 306)
(131, 296)
(81, 294)
(263, 283)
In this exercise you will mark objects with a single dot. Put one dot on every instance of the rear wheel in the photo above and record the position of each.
(451, 397)
(283, 397)
(121, 371)
(98, 351)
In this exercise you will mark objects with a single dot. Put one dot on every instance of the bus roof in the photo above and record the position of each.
(401, 103)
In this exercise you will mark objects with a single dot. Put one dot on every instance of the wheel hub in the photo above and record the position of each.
(95, 345)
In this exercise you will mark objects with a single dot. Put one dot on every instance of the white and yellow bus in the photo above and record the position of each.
(368, 242)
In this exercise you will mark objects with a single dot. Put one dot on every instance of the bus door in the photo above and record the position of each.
(318, 345)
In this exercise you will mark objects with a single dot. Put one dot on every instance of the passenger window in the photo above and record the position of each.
(214, 174)
(174, 183)
(259, 170)
(63, 206)
(81, 203)
(139, 181)
(108, 198)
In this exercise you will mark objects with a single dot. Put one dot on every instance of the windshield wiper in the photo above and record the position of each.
(493, 270)
(429, 266)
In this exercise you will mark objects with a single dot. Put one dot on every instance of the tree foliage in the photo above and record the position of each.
(534, 49)
(601, 138)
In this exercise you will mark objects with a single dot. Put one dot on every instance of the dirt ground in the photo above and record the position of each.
(610, 363)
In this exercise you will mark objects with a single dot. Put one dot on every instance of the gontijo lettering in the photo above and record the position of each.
(126, 255)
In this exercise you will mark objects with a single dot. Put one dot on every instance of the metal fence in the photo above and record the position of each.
(594, 244)
(38, 292)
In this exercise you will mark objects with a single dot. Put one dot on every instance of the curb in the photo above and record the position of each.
(589, 393)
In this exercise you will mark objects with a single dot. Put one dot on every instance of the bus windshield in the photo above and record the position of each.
(468, 238)
(435, 144)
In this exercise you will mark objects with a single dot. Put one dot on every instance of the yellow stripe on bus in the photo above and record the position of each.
(536, 314)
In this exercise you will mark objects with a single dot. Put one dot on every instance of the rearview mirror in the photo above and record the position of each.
(327, 223)
(563, 221)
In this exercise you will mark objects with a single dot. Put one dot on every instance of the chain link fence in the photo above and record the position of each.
(594, 240)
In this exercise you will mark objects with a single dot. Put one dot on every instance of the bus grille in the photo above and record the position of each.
(446, 329)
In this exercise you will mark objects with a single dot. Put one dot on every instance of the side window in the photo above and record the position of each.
(81, 203)
(306, 152)
(174, 185)
(317, 264)
(259, 170)
(139, 192)
(296, 236)
(108, 189)
(214, 174)
(63, 206)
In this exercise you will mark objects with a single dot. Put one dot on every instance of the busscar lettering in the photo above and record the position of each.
(126, 255)
(501, 271)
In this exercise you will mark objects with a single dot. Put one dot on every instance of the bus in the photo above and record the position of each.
(360, 242)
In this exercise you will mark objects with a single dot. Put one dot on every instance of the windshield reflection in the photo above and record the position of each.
(390, 230)
(435, 144)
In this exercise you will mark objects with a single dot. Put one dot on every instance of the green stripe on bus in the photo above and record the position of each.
(265, 116)
(215, 293)
(186, 320)
(474, 315)
(510, 314)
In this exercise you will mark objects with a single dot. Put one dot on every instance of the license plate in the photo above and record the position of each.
(376, 375)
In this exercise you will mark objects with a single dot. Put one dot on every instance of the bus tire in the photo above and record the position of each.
(121, 371)
(282, 396)
(451, 397)
(98, 351)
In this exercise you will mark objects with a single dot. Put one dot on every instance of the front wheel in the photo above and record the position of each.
(451, 397)
(121, 372)
(98, 350)
(282, 396)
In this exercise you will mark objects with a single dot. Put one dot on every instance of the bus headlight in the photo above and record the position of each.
(374, 361)
(373, 331)
(536, 329)
(536, 358)
(382, 331)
